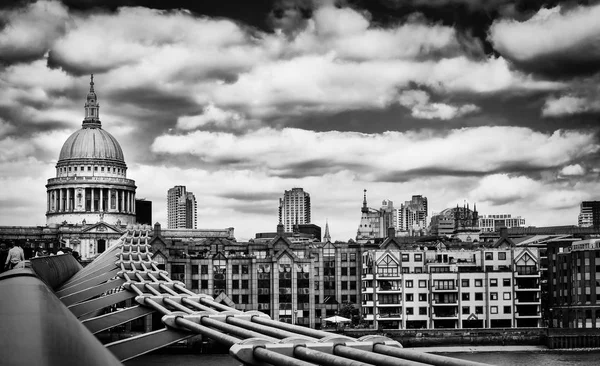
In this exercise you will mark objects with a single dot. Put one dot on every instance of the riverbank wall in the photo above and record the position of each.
(573, 338)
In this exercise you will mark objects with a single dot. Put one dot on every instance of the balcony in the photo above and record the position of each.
(383, 304)
(444, 288)
(390, 316)
(528, 301)
(527, 287)
(367, 303)
(528, 315)
(445, 302)
(389, 289)
(444, 316)
(527, 271)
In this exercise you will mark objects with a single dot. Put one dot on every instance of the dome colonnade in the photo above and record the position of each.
(91, 182)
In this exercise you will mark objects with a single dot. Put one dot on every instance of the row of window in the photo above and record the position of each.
(89, 169)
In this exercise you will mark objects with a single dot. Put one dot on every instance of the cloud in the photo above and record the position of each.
(572, 170)
(418, 102)
(554, 41)
(569, 104)
(477, 149)
(29, 32)
(213, 116)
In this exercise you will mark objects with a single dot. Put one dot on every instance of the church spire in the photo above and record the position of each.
(364, 207)
(326, 237)
(92, 108)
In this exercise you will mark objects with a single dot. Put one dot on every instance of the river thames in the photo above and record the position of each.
(536, 358)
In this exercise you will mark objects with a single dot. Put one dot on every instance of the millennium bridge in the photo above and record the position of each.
(51, 310)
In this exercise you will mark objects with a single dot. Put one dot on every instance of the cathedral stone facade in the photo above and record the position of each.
(91, 182)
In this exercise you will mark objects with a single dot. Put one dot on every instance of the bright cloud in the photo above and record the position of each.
(569, 104)
(418, 102)
(477, 149)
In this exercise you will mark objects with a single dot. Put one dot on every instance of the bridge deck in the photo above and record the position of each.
(126, 271)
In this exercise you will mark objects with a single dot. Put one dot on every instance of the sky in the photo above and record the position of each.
(492, 102)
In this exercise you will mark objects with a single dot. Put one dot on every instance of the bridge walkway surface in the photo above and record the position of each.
(52, 310)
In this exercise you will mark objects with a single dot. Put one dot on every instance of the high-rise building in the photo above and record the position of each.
(589, 214)
(412, 215)
(181, 208)
(294, 208)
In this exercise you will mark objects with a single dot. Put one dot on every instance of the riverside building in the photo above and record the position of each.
(182, 208)
(420, 288)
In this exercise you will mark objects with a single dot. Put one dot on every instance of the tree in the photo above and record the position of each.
(348, 310)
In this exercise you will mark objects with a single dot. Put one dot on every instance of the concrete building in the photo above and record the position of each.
(589, 214)
(91, 182)
(423, 288)
(143, 211)
(412, 216)
(294, 208)
(374, 223)
(574, 284)
(492, 223)
(181, 208)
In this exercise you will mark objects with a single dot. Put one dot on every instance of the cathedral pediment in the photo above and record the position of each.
(102, 228)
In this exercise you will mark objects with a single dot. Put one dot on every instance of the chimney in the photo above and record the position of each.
(391, 232)
(504, 232)
(157, 229)
(280, 229)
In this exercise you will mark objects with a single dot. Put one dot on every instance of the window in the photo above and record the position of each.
(493, 282)
(420, 270)
(95, 168)
(195, 284)
(344, 271)
(235, 269)
(506, 296)
(507, 310)
(245, 284)
(418, 257)
(422, 311)
(409, 283)
(409, 311)
(344, 285)
(204, 284)
(494, 310)
(422, 297)
(204, 269)
(478, 309)
(409, 297)
(405, 258)
(89, 168)
(352, 257)
(479, 296)
(352, 271)
(493, 296)
(352, 285)
(506, 282)
(245, 269)
(195, 270)
(502, 255)
(235, 284)
(465, 283)
(465, 296)
(478, 283)
(344, 256)
(244, 299)
(422, 283)
(466, 310)
(489, 256)
(102, 169)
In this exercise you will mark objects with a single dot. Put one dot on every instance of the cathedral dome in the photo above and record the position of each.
(91, 143)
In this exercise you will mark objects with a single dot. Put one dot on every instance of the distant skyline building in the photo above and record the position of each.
(412, 216)
(294, 208)
(374, 223)
(181, 208)
(460, 223)
(493, 223)
(143, 211)
(589, 214)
